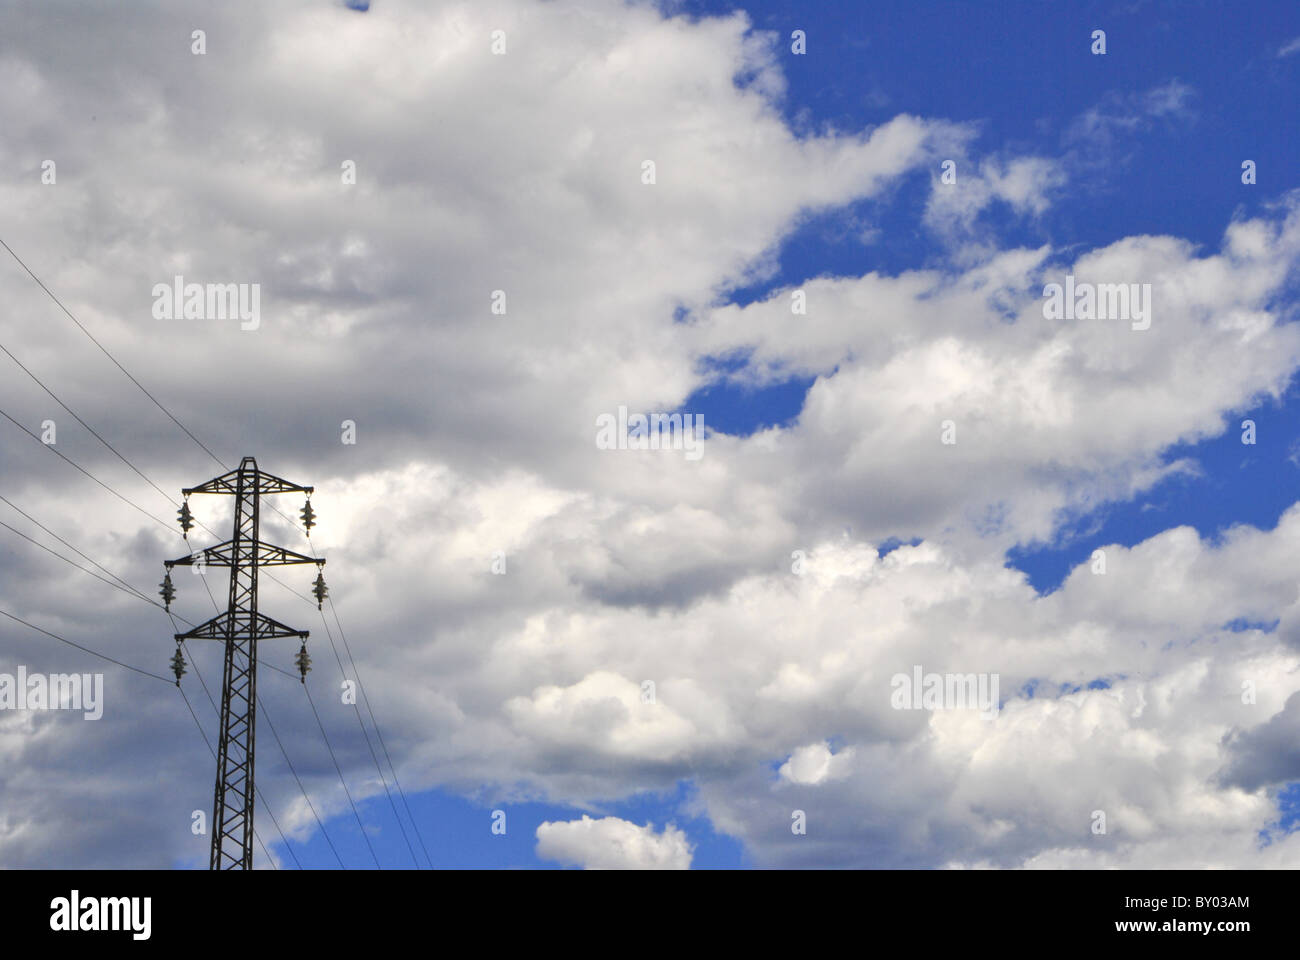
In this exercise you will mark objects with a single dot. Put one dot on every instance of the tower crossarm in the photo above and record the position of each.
(228, 483)
(223, 625)
(223, 555)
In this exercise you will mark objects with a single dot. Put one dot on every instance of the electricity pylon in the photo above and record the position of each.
(241, 627)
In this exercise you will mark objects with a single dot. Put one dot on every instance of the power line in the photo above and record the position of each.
(104, 350)
(207, 744)
(58, 453)
(267, 806)
(19, 510)
(287, 761)
(136, 593)
(369, 709)
(169, 414)
(396, 816)
(95, 433)
(93, 653)
(128, 375)
(128, 591)
(378, 767)
(365, 836)
(131, 503)
(310, 806)
(243, 627)
(133, 592)
(285, 753)
(124, 499)
(378, 733)
(145, 673)
(361, 688)
(218, 460)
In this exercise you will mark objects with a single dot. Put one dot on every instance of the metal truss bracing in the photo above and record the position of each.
(241, 626)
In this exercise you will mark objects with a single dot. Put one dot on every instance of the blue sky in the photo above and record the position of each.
(1023, 72)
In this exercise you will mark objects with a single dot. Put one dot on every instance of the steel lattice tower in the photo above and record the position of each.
(241, 627)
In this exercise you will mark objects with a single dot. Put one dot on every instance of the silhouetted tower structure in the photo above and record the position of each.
(241, 628)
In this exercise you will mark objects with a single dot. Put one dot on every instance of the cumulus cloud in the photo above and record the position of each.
(1050, 415)
(613, 844)
(1267, 754)
(815, 764)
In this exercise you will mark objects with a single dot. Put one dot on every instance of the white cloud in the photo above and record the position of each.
(1132, 110)
(602, 712)
(475, 435)
(815, 764)
(1051, 416)
(1023, 183)
(613, 844)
